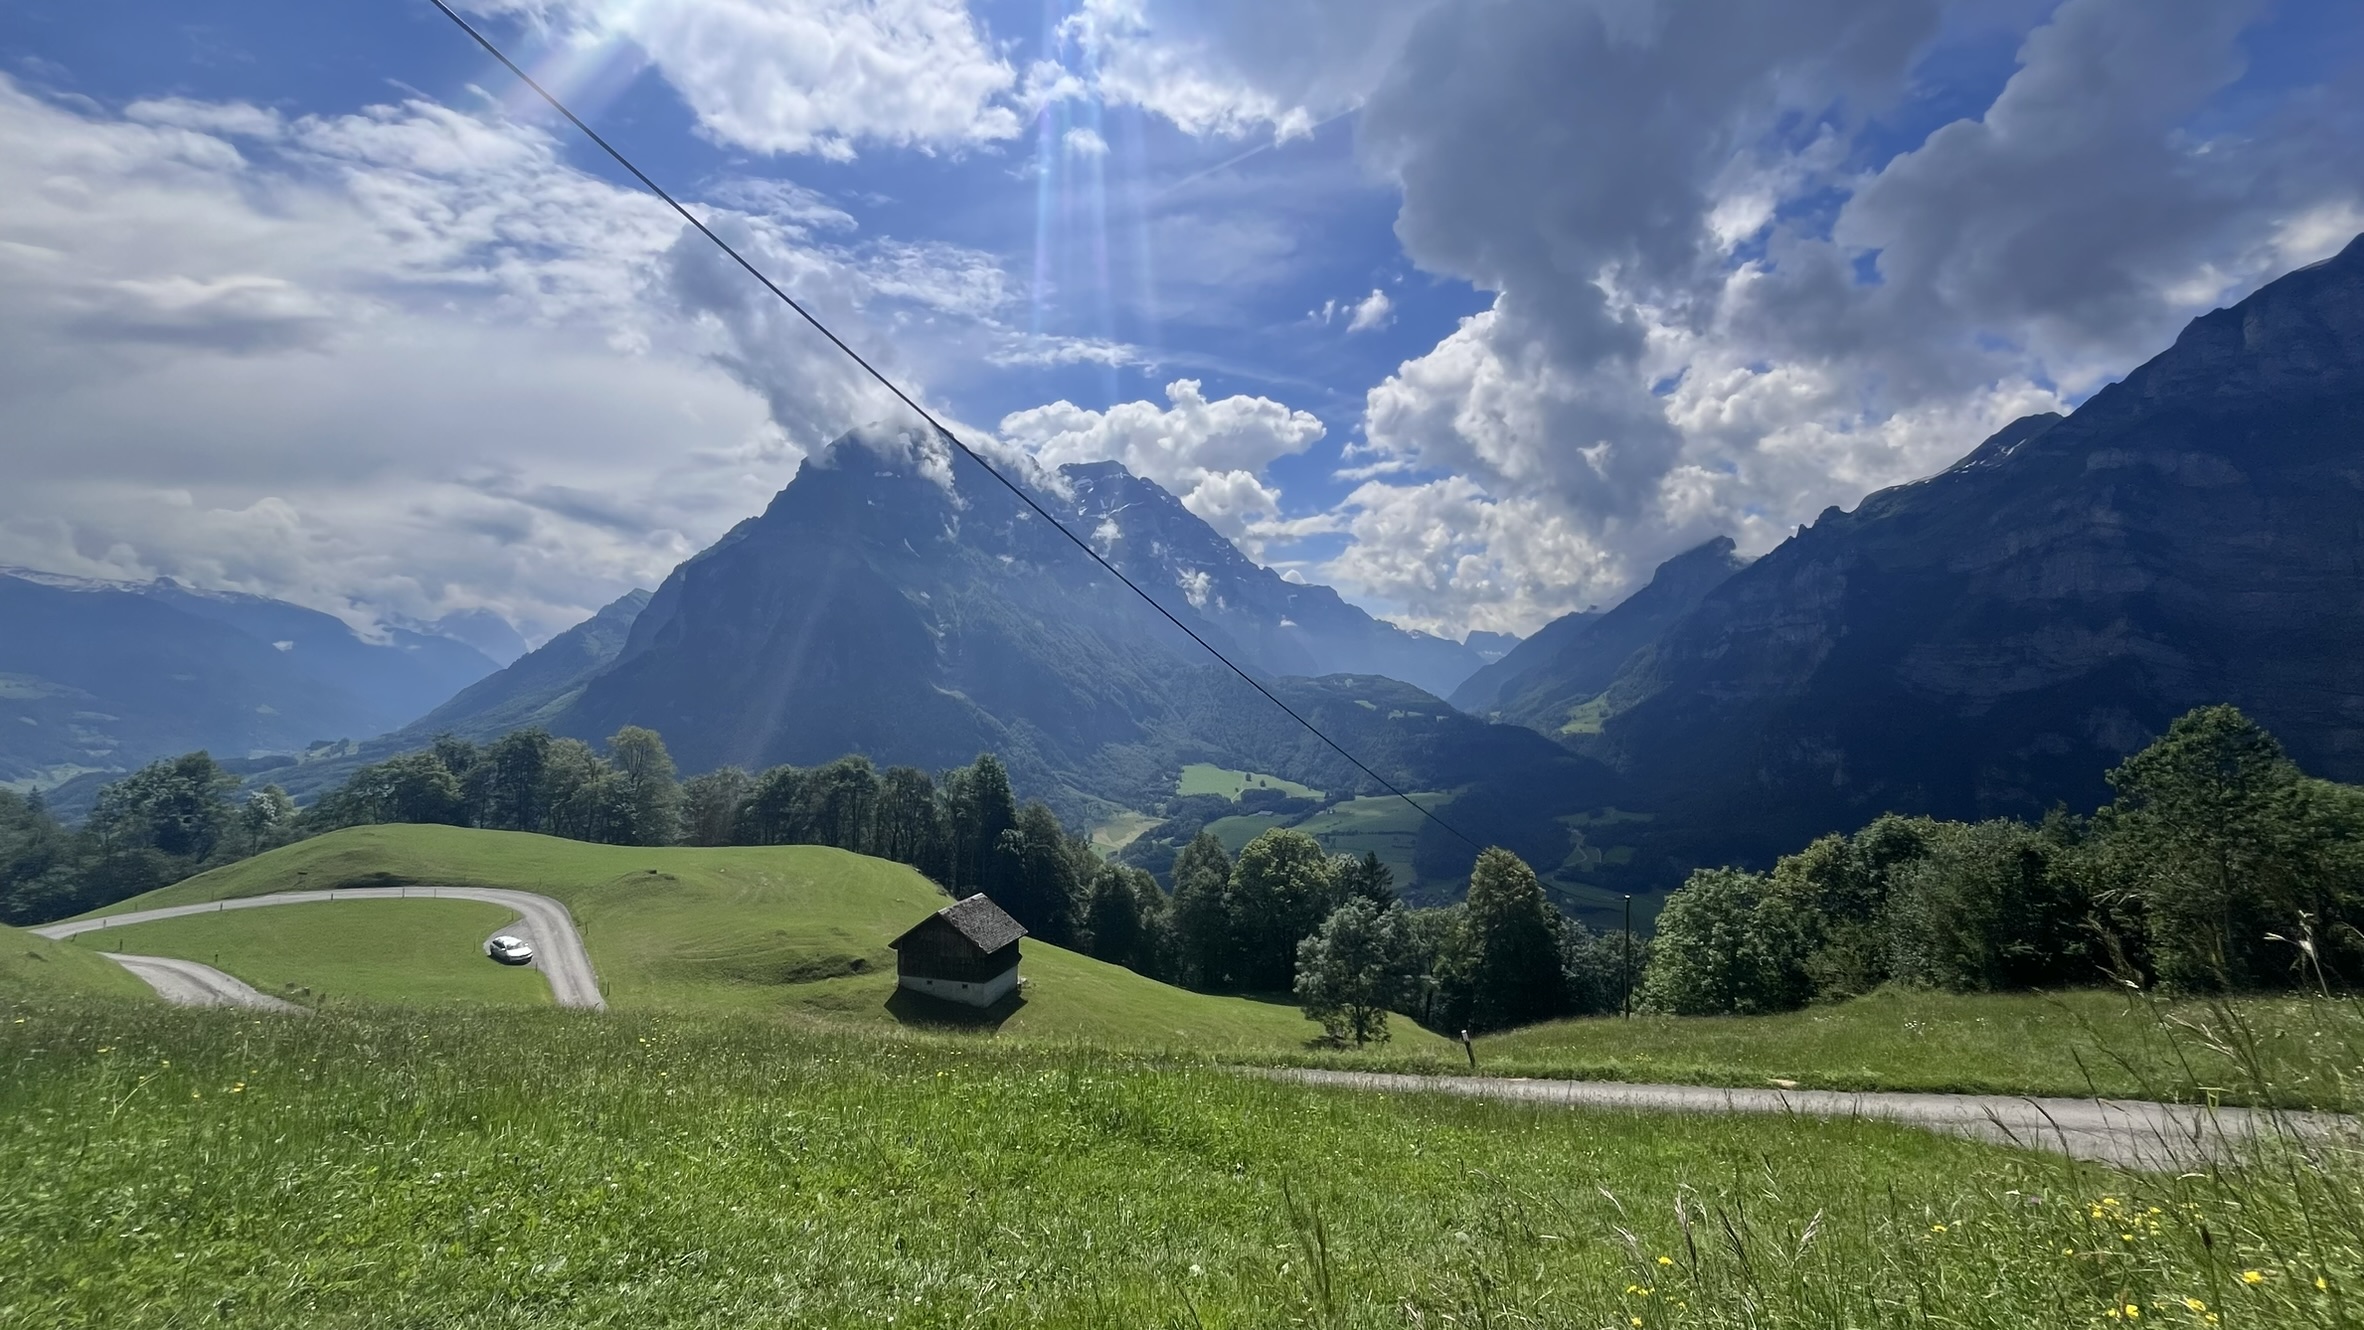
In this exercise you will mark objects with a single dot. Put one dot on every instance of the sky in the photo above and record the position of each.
(1474, 309)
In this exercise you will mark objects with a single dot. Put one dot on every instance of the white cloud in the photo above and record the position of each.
(804, 76)
(1210, 454)
(407, 362)
(1230, 68)
(1083, 142)
(1644, 381)
(1372, 312)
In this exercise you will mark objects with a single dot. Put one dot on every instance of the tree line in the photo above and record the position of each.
(2217, 865)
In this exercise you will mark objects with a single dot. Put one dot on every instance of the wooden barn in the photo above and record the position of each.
(965, 952)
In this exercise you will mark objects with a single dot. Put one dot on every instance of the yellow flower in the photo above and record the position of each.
(1669, 1260)
(2195, 1304)
(1634, 1320)
(2320, 1285)
(1937, 1228)
(2133, 1313)
(2253, 1276)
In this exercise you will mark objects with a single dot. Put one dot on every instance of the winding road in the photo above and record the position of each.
(558, 947)
(2128, 1133)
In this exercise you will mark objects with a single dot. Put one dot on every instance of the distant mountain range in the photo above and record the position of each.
(1985, 642)
(894, 603)
(100, 677)
(1991, 640)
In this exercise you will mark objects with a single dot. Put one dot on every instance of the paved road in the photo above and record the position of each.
(558, 948)
(2125, 1132)
(192, 985)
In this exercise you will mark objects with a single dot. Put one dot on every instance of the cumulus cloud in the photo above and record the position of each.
(1371, 313)
(407, 362)
(806, 76)
(1209, 453)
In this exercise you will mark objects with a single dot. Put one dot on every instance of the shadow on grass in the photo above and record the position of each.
(924, 1012)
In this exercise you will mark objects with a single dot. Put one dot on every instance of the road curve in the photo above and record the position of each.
(189, 984)
(558, 947)
(2129, 1133)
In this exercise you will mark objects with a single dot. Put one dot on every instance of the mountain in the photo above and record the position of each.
(1992, 639)
(895, 603)
(538, 684)
(1283, 627)
(104, 676)
(1546, 680)
(1491, 647)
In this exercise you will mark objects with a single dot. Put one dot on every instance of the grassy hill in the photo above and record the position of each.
(37, 967)
(367, 950)
(798, 929)
(524, 1169)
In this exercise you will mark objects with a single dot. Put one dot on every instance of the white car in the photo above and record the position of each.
(510, 950)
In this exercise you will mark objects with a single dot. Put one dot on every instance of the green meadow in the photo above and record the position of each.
(788, 930)
(422, 951)
(508, 1167)
(1204, 778)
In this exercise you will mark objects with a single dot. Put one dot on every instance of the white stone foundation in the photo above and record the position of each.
(953, 990)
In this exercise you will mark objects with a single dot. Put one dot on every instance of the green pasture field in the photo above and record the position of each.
(783, 929)
(1380, 825)
(1203, 778)
(1236, 831)
(2075, 1044)
(418, 951)
(1117, 830)
(518, 1168)
(31, 966)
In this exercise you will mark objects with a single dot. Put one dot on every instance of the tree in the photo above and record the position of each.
(1282, 888)
(1514, 934)
(1203, 934)
(647, 789)
(1114, 921)
(1726, 944)
(267, 819)
(178, 807)
(982, 808)
(1352, 968)
(2217, 836)
(911, 822)
(1037, 876)
(1595, 970)
(841, 802)
(509, 786)
(769, 815)
(1368, 879)
(1989, 906)
(710, 806)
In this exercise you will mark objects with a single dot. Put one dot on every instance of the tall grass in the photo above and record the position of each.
(523, 1168)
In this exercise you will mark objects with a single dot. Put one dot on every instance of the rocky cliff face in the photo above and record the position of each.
(1992, 639)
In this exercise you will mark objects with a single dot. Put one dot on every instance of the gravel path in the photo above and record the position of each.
(558, 947)
(2130, 1133)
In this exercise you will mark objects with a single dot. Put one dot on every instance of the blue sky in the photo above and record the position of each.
(1489, 305)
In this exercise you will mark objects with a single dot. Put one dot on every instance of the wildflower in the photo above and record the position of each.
(2133, 1313)
(1633, 1320)
(2195, 1304)
(2320, 1286)
(1669, 1260)
(1937, 1228)
(2253, 1276)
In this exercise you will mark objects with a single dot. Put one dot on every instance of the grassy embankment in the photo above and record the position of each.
(504, 1167)
(2074, 1044)
(799, 929)
(30, 965)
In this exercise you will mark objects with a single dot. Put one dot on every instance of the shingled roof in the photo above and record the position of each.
(987, 926)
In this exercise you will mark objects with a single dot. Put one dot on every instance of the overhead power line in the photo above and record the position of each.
(924, 414)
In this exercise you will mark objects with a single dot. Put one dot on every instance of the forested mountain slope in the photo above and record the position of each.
(1992, 639)
(102, 676)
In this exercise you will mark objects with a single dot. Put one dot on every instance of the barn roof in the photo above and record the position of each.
(987, 926)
